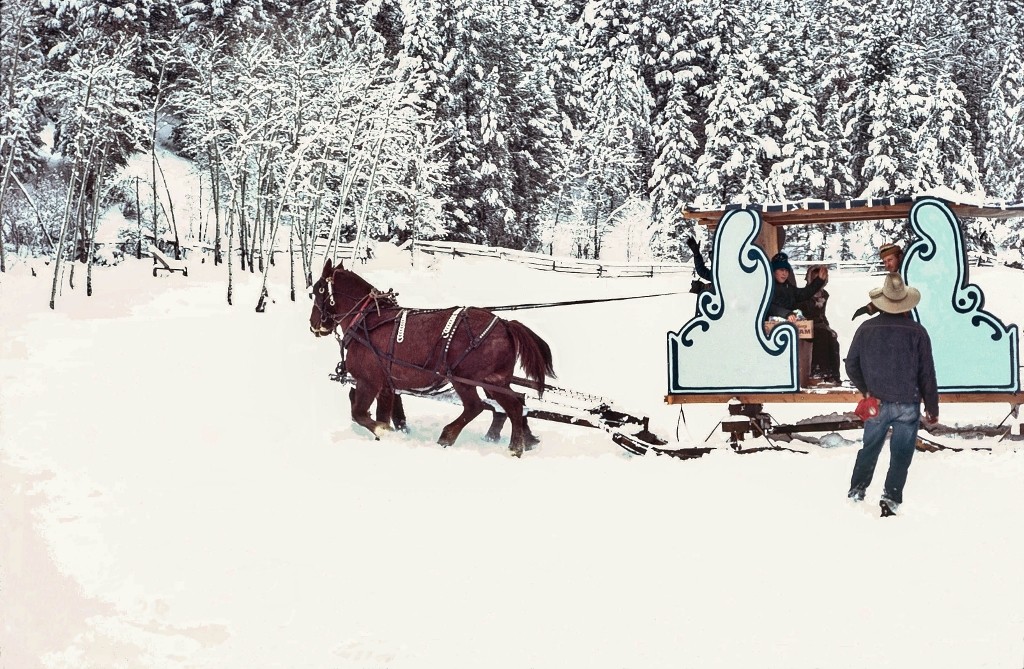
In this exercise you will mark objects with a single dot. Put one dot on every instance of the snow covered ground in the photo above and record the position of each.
(181, 486)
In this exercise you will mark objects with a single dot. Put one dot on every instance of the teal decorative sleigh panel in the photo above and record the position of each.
(724, 348)
(973, 350)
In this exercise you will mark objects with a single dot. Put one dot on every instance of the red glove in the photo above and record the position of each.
(867, 408)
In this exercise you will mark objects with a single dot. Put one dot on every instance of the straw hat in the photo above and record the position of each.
(894, 297)
(889, 249)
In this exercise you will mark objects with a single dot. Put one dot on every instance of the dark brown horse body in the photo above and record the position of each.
(391, 349)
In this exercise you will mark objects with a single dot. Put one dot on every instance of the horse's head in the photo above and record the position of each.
(336, 294)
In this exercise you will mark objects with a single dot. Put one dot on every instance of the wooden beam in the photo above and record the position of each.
(833, 396)
(838, 214)
(803, 397)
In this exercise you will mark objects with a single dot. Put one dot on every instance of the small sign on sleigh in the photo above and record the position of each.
(804, 329)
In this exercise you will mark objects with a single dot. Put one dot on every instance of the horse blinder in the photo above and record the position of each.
(327, 321)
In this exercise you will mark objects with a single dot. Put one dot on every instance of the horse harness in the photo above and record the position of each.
(359, 329)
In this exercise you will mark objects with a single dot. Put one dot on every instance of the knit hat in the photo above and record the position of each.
(781, 261)
(889, 249)
(894, 297)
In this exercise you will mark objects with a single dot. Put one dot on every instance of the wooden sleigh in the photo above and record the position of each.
(976, 354)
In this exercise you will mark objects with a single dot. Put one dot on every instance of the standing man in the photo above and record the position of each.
(892, 258)
(890, 359)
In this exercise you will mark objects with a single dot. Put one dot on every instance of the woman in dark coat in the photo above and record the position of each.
(825, 356)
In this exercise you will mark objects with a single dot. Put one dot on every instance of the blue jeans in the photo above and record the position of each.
(904, 419)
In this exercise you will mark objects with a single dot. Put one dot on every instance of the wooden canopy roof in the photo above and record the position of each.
(808, 212)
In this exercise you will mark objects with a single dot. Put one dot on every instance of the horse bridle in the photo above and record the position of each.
(359, 306)
(327, 316)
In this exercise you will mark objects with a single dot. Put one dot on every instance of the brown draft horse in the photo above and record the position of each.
(388, 349)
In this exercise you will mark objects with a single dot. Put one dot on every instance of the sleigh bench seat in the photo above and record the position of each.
(163, 263)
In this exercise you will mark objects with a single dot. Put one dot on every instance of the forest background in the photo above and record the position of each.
(503, 122)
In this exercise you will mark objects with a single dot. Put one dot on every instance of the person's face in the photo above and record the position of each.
(781, 275)
(891, 262)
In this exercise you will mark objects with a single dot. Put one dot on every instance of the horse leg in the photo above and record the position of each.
(472, 405)
(497, 421)
(362, 397)
(494, 433)
(385, 405)
(513, 406)
(398, 414)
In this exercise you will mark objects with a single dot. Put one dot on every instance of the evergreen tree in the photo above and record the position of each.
(975, 61)
(1005, 149)
(614, 153)
(677, 69)
(744, 128)
(500, 119)
(870, 49)
(21, 80)
(805, 157)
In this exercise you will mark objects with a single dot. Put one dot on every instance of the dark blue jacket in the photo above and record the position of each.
(891, 358)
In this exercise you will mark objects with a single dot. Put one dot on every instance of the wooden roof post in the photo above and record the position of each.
(771, 239)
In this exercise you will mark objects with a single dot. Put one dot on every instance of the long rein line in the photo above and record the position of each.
(543, 305)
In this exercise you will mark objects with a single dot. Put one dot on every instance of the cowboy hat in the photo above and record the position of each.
(894, 297)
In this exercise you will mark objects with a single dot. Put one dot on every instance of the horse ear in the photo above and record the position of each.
(327, 269)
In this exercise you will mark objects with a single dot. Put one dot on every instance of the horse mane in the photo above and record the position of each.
(388, 298)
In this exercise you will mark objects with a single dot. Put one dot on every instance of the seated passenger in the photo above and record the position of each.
(785, 294)
(825, 355)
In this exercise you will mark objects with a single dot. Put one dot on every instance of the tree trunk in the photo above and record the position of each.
(95, 219)
(152, 149)
(58, 250)
(215, 203)
(231, 239)
(138, 219)
(35, 209)
(8, 169)
(170, 205)
(241, 222)
(291, 260)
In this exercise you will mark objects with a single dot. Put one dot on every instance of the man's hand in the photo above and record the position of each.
(860, 312)
(929, 419)
(692, 244)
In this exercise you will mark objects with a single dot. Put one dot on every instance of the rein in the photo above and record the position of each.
(543, 305)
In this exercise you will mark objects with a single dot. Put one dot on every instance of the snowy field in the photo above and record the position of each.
(181, 486)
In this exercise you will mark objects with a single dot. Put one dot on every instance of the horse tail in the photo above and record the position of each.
(533, 352)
